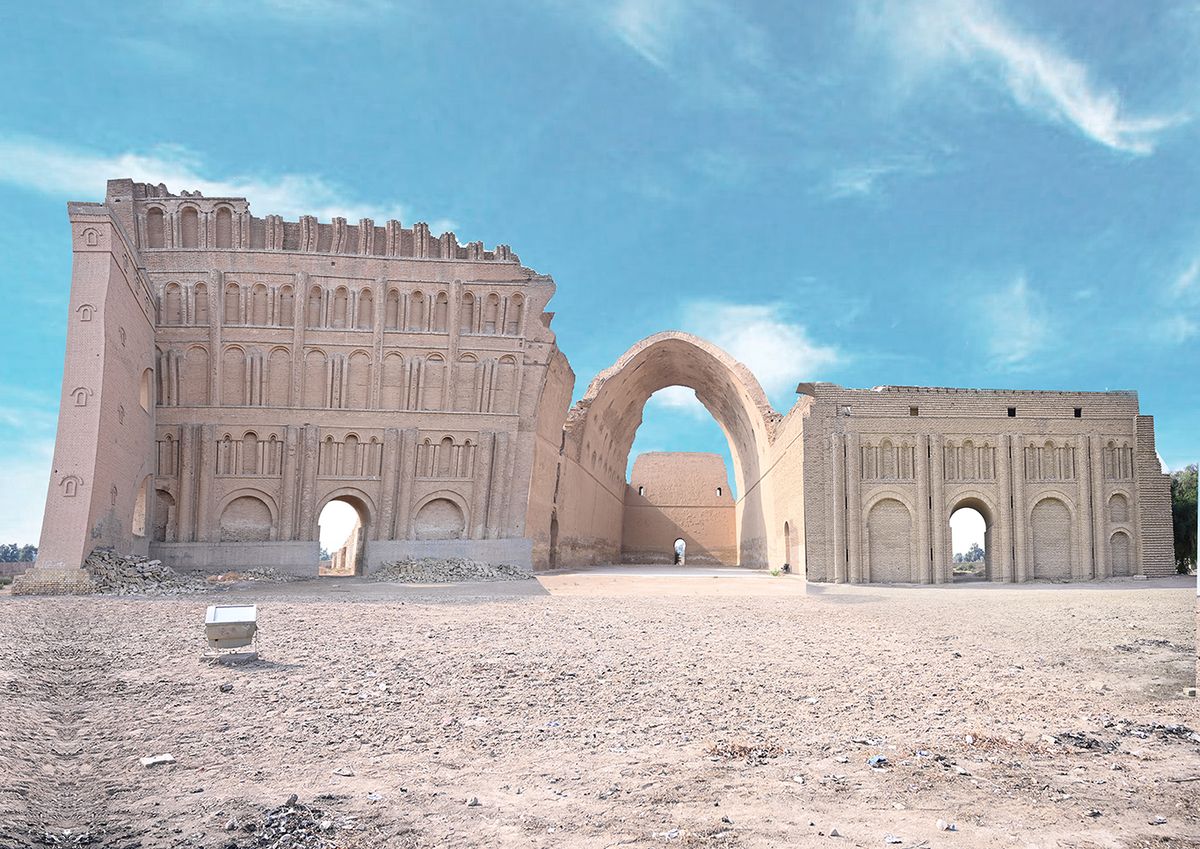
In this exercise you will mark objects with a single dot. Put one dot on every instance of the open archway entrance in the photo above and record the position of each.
(970, 542)
(342, 530)
(600, 431)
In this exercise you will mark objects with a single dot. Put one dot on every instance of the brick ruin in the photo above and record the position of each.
(227, 376)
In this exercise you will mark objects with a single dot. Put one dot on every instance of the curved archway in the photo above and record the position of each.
(342, 522)
(247, 515)
(1050, 522)
(1120, 554)
(441, 515)
(604, 422)
(889, 542)
(967, 512)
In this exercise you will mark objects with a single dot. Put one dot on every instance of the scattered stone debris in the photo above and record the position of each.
(942, 825)
(1145, 731)
(1138, 645)
(437, 570)
(294, 825)
(1083, 741)
(754, 755)
(877, 761)
(262, 574)
(116, 574)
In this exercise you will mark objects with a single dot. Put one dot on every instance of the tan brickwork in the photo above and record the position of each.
(228, 375)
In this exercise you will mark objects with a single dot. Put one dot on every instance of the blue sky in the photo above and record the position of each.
(970, 194)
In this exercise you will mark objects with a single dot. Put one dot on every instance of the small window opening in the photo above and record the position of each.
(718, 492)
(641, 490)
(1079, 412)
(1012, 412)
(913, 411)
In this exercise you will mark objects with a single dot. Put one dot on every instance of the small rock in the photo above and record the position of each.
(833, 832)
(1160, 820)
(344, 771)
(891, 838)
(226, 688)
(942, 825)
(373, 797)
(877, 761)
(473, 802)
(799, 779)
(960, 771)
(155, 760)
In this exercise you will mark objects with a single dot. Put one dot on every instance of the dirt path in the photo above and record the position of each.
(581, 715)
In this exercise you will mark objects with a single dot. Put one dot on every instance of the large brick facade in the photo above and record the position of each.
(227, 376)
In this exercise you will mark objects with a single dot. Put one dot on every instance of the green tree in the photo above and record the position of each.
(1183, 515)
(974, 553)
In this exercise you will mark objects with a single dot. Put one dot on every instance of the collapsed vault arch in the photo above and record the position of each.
(600, 428)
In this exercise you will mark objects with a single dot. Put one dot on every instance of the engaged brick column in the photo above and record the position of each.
(1099, 508)
(838, 545)
(940, 520)
(1017, 464)
(1084, 566)
(1002, 560)
(854, 518)
(925, 562)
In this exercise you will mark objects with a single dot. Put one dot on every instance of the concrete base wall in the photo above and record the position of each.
(514, 552)
(295, 558)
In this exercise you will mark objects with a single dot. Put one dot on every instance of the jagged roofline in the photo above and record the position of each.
(767, 414)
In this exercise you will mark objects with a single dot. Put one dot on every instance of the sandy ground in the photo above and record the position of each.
(610, 709)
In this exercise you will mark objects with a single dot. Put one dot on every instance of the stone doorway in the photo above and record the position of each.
(342, 531)
(970, 555)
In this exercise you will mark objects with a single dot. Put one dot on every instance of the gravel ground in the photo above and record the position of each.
(438, 570)
(610, 711)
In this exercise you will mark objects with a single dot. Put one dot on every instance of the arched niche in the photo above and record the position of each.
(608, 416)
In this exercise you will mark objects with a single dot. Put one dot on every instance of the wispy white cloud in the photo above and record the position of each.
(766, 338)
(1039, 76)
(27, 422)
(1177, 329)
(707, 46)
(292, 12)
(1179, 316)
(679, 399)
(51, 169)
(869, 178)
(1187, 283)
(1017, 323)
(649, 28)
(27, 466)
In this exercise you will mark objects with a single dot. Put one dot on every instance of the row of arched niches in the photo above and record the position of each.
(413, 310)
(348, 380)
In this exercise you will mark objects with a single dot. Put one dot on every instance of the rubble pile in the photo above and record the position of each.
(118, 574)
(449, 570)
(260, 574)
(294, 825)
